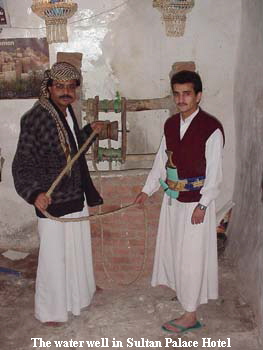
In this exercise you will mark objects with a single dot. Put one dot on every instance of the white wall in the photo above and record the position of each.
(245, 233)
(127, 50)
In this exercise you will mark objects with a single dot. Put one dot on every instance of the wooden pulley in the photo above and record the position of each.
(109, 131)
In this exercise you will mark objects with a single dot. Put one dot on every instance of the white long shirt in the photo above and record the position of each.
(213, 155)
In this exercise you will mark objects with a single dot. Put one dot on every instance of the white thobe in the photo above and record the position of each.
(186, 254)
(65, 279)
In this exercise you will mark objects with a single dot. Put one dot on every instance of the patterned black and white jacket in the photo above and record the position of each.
(40, 158)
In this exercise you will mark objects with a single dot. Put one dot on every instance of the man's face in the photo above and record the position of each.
(63, 93)
(186, 99)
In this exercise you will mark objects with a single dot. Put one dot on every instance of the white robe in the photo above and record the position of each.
(65, 279)
(186, 254)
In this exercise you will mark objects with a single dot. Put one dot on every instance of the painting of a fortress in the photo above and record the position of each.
(22, 64)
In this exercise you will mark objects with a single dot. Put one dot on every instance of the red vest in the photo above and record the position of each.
(189, 153)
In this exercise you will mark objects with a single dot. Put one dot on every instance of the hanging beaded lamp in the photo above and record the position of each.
(174, 14)
(55, 13)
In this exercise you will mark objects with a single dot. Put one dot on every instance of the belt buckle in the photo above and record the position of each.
(179, 186)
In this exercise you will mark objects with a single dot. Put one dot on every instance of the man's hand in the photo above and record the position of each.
(140, 199)
(97, 126)
(198, 216)
(42, 202)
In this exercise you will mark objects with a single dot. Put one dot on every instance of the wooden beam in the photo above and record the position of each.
(90, 105)
(132, 157)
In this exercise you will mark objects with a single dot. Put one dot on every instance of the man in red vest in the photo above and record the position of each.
(188, 166)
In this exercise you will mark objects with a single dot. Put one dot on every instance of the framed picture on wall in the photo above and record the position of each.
(22, 65)
(4, 16)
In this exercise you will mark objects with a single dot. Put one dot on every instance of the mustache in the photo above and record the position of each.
(65, 96)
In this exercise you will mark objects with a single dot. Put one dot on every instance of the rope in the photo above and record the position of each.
(95, 216)
(102, 237)
(59, 178)
(90, 217)
(138, 276)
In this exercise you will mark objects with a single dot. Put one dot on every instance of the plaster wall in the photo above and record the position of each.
(245, 232)
(125, 48)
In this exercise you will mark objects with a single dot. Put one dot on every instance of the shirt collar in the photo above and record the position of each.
(190, 118)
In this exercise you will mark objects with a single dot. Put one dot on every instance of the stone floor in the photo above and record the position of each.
(122, 317)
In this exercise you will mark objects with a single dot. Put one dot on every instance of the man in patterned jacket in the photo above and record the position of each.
(49, 138)
(188, 167)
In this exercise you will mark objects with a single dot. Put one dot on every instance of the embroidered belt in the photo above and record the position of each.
(190, 184)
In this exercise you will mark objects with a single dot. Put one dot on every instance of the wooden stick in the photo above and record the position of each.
(132, 157)
(69, 165)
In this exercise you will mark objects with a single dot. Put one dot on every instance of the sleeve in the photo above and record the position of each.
(24, 166)
(213, 154)
(86, 131)
(158, 170)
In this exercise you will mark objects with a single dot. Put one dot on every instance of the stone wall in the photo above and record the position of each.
(123, 243)
(245, 232)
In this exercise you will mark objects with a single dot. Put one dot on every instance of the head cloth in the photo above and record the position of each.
(61, 71)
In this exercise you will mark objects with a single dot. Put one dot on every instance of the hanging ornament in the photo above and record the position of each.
(55, 13)
(174, 14)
